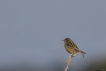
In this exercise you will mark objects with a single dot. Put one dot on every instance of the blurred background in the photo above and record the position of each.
(31, 32)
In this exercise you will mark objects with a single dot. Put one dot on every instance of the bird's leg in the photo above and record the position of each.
(72, 55)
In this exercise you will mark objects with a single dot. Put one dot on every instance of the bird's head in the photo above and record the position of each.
(66, 39)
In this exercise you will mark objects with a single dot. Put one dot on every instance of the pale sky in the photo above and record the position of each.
(32, 30)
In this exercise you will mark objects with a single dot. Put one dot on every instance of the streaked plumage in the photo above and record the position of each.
(71, 47)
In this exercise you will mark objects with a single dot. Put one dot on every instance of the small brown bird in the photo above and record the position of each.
(71, 47)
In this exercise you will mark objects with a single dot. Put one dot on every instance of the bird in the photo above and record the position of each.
(72, 48)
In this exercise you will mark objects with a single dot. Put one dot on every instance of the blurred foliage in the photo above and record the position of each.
(95, 66)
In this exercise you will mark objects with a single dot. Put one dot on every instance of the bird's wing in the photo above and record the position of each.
(77, 48)
(72, 44)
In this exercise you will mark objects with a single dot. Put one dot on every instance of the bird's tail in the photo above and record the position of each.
(82, 53)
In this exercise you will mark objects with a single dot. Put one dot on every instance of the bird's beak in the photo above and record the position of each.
(62, 40)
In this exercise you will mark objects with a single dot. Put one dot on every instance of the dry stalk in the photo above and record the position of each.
(68, 62)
